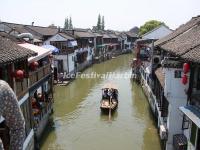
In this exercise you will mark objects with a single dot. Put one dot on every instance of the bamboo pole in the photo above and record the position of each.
(110, 110)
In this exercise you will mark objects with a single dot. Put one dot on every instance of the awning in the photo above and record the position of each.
(42, 52)
(72, 43)
(52, 48)
(192, 112)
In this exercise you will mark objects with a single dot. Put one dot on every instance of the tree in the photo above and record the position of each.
(70, 23)
(103, 24)
(149, 25)
(99, 22)
(66, 24)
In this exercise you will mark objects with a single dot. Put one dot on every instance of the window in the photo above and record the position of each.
(5, 74)
(186, 122)
(177, 74)
(193, 134)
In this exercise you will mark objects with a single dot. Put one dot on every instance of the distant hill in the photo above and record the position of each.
(134, 30)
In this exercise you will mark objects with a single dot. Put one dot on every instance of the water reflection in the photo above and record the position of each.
(104, 116)
(142, 110)
(79, 125)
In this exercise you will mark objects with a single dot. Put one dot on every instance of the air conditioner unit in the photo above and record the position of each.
(156, 59)
(163, 132)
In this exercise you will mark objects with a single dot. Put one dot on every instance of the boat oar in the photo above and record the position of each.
(110, 109)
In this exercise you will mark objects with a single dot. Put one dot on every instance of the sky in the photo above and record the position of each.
(119, 15)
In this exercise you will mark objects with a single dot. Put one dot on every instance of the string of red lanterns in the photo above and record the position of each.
(186, 68)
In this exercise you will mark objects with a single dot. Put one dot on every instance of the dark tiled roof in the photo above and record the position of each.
(113, 35)
(97, 34)
(8, 36)
(45, 31)
(80, 29)
(184, 41)
(183, 28)
(66, 36)
(18, 27)
(131, 34)
(106, 36)
(83, 34)
(193, 55)
(134, 30)
(11, 52)
(161, 76)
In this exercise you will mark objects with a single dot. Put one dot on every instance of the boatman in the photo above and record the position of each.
(10, 110)
(110, 94)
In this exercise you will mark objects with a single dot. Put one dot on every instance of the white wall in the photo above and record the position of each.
(65, 63)
(64, 58)
(175, 92)
(158, 33)
(90, 53)
(71, 62)
(173, 86)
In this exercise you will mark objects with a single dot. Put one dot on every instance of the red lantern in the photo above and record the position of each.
(184, 79)
(34, 65)
(19, 74)
(186, 68)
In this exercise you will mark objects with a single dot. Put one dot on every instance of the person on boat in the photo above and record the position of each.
(105, 93)
(10, 110)
(115, 96)
(110, 95)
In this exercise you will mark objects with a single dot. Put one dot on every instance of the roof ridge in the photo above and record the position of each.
(180, 33)
(61, 33)
(191, 48)
(40, 27)
(25, 25)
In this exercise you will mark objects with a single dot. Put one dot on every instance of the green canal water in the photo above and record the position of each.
(77, 122)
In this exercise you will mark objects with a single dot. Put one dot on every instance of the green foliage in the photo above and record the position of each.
(149, 25)
(99, 22)
(103, 24)
(68, 23)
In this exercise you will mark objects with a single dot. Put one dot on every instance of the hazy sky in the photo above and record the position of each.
(119, 14)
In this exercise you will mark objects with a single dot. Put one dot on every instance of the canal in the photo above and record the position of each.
(77, 122)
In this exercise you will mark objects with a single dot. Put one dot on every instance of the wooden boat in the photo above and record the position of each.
(109, 101)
